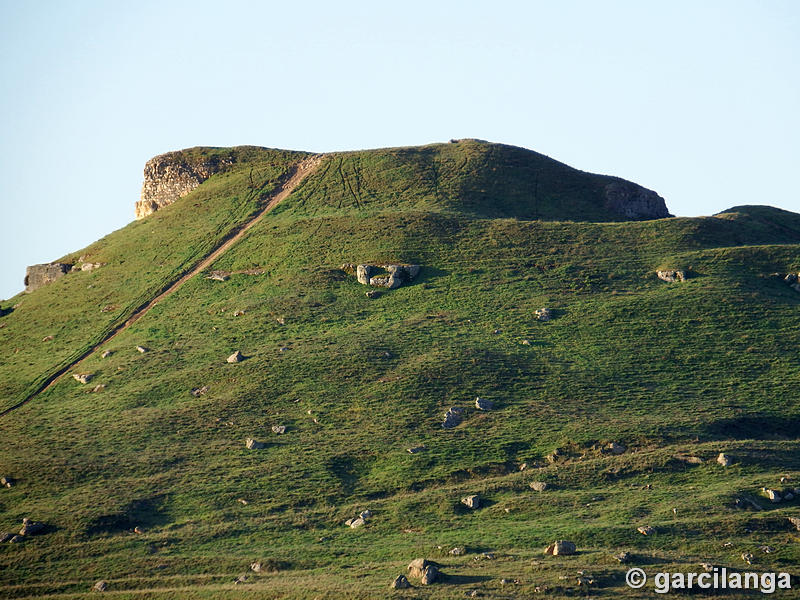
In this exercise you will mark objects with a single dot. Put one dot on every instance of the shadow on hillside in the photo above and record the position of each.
(754, 427)
(6, 311)
(463, 579)
(144, 513)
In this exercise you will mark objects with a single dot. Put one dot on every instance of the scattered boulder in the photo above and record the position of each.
(365, 272)
(400, 583)
(365, 514)
(357, 522)
(747, 557)
(82, 377)
(561, 547)
(279, 429)
(417, 567)
(218, 276)
(672, 276)
(37, 276)
(6, 482)
(100, 586)
(235, 357)
(707, 567)
(88, 266)
(372, 294)
(538, 486)
(254, 445)
(99, 387)
(724, 459)
(473, 501)
(544, 314)
(646, 530)
(615, 448)
(48, 338)
(483, 404)
(416, 449)
(773, 495)
(238, 313)
(16, 539)
(745, 503)
(197, 392)
(458, 551)
(430, 575)
(453, 417)
(31, 527)
(141, 349)
(106, 354)
(795, 521)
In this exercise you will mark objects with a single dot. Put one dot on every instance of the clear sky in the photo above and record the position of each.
(699, 101)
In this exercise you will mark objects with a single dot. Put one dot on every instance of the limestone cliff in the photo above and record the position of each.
(170, 176)
(634, 202)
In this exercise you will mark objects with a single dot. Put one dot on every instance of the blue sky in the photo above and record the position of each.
(699, 101)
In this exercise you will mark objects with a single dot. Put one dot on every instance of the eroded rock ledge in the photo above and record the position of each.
(634, 202)
(170, 176)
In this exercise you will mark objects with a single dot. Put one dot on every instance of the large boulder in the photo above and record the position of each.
(452, 417)
(38, 275)
(561, 547)
(365, 272)
(472, 501)
(671, 276)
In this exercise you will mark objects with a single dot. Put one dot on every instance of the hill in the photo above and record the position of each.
(673, 372)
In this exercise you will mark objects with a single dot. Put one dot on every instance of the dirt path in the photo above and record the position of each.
(303, 169)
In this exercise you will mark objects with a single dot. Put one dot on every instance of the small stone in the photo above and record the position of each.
(452, 417)
(197, 392)
(99, 388)
(400, 583)
(82, 377)
(458, 551)
(544, 314)
(106, 354)
(355, 523)
(48, 338)
(538, 486)
(615, 448)
(372, 294)
(646, 530)
(31, 527)
(100, 586)
(526, 342)
(281, 320)
(254, 445)
(365, 514)
(4, 537)
(724, 459)
(483, 404)
(235, 357)
(141, 349)
(707, 567)
(416, 449)
(473, 501)
(623, 557)
(279, 429)
(747, 557)
(430, 575)
(16, 539)
(561, 547)
(256, 567)
(773, 495)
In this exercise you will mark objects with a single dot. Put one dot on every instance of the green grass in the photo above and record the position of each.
(669, 370)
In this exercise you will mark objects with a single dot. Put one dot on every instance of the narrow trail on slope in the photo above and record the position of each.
(302, 170)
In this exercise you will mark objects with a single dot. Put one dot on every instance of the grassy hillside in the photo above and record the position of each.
(669, 370)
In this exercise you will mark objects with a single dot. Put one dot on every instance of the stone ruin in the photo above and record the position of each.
(387, 275)
(38, 275)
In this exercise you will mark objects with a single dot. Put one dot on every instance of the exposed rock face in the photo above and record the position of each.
(395, 275)
(671, 276)
(634, 201)
(38, 275)
(170, 176)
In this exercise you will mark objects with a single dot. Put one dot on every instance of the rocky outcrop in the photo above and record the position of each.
(171, 176)
(672, 276)
(38, 275)
(633, 201)
(393, 275)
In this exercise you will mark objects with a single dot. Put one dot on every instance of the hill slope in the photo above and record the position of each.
(670, 371)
